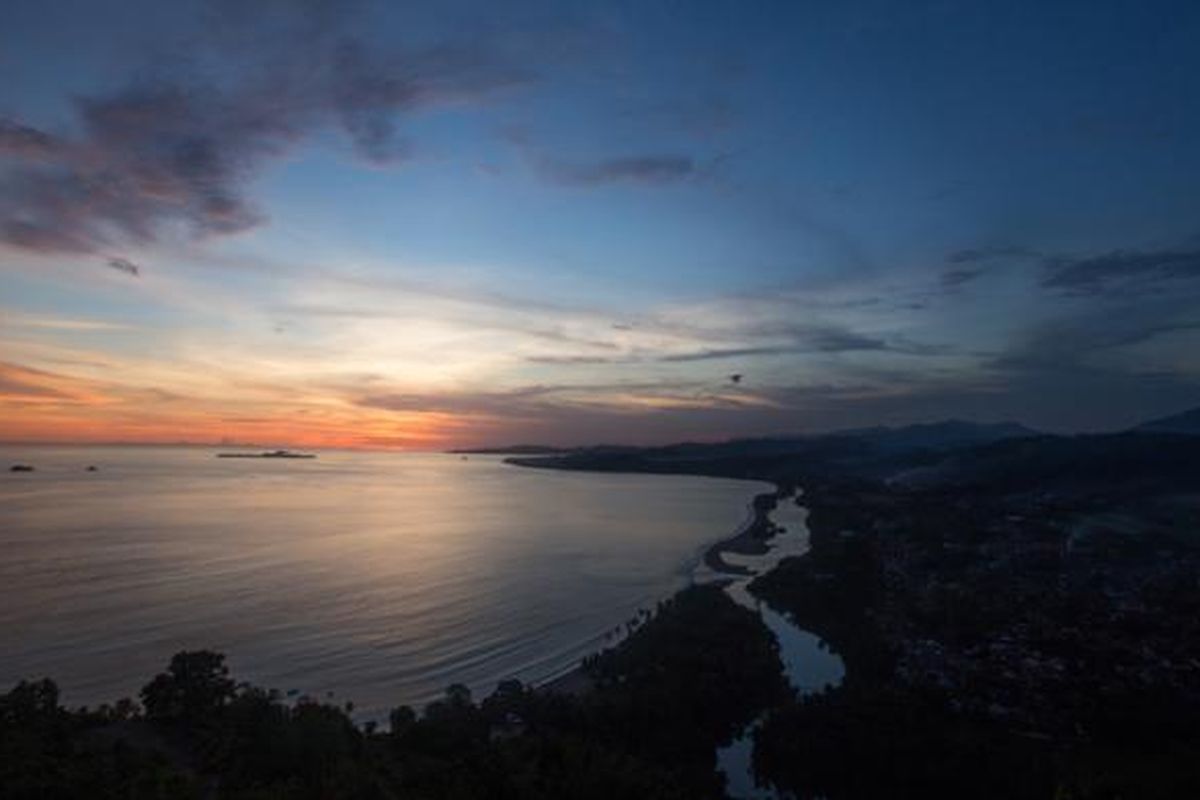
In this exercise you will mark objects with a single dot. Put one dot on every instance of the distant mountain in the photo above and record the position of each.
(1186, 423)
(878, 452)
(947, 435)
(881, 440)
(1137, 462)
(514, 450)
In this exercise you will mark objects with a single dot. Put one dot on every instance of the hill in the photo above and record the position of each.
(1187, 423)
(876, 452)
(946, 435)
(1124, 464)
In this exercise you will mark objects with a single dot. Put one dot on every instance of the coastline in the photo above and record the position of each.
(572, 683)
(750, 538)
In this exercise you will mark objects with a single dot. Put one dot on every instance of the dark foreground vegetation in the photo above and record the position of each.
(1019, 616)
(687, 680)
(1019, 613)
(998, 644)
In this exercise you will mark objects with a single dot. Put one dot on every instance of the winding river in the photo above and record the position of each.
(809, 665)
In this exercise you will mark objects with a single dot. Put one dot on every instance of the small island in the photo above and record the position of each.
(268, 454)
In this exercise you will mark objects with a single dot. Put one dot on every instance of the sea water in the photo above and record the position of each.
(375, 578)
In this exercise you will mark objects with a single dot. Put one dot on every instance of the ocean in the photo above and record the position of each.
(374, 578)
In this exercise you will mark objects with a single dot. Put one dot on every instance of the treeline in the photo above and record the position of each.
(686, 681)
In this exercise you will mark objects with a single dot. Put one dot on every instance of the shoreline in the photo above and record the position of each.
(573, 683)
(750, 538)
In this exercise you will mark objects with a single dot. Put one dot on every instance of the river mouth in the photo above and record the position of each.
(809, 665)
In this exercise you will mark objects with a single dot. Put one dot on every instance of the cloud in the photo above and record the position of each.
(503, 418)
(970, 264)
(783, 337)
(1103, 365)
(1126, 270)
(23, 141)
(475, 311)
(848, 344)
(732, 352)
(177, 150)
(976, 255)
(574, 360)
(1066, 344)
(518, 402)
(558, 401)
(63, 324)
(665, 411)
(22, 383)
(745, 341)
(25, 385)
(126, 266)
(646, 170)
(953, 278)
(831, 339)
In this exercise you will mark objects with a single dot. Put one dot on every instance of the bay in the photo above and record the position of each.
(377, 578)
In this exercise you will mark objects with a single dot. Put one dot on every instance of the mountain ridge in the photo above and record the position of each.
(1185, 422)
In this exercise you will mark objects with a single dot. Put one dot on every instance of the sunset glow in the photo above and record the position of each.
(370, 228)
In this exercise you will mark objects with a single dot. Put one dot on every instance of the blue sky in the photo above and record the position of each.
(464, 223)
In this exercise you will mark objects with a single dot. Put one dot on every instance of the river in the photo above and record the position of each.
(809, 665)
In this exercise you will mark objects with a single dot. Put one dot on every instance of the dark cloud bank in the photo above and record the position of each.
(1091, 274)
(126, 266)
(175, 149)
(1124, 270)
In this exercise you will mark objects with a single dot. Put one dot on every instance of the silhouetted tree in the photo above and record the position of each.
(30, 703)
(402, 718)
(194, 687)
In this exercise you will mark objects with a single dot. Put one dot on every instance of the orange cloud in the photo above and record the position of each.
(20, 385)
(46, 406)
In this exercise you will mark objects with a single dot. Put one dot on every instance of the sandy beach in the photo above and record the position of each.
(750, 539)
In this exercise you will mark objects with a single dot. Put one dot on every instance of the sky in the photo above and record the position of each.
(416, 226)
